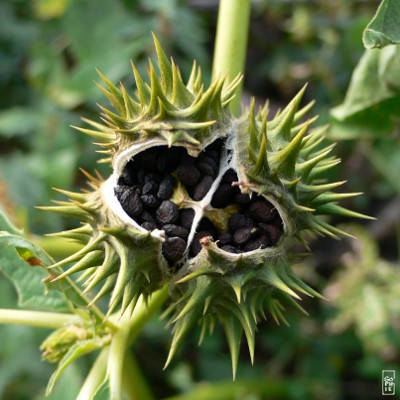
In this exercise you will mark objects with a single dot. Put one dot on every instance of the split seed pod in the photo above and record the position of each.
(202, 201)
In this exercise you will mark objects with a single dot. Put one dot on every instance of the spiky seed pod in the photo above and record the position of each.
(203, 201)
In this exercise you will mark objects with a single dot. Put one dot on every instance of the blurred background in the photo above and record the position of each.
(48, 53)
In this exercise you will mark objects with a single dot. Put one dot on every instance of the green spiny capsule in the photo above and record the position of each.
(202, 201)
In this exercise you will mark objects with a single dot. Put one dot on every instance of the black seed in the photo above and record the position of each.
(150, 187)
(176, 230)
(120, 190)
(121, 181)
(129, 174)
(230, 249)
(262, 211)
(141, 173)
(188, 174)
(166, 188)
(150, 201)
(224, 239)
(202, 188)
(242, 198)
(223, 195)
(196, 245)
(237, 221)
(260, 243)
(230, 176)
(127, 179)
(173, 248)
(147, 217)
(243, 235)
(207, 165)
(207, 169)
(150, 226)
(186, 217)
(153, 177)
(129, 200)
(272, 231)
(167, 213)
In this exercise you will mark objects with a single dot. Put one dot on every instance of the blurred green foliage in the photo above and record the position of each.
(49, 51)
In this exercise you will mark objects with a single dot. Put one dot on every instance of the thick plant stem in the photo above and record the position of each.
(116, 359)
(129, 328)
(36, 318)
(231, 42)
(134, 381)
(96, 376)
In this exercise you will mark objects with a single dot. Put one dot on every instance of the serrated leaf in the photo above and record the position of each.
(384, 28)
(25, 247)
(77, 350)
(22, 262)
(28, 282)
(25, 264)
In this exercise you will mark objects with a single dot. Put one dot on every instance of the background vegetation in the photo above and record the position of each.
(49, 49)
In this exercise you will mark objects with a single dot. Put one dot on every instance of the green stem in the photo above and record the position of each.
(134, 381)
(129, 329)
(36, 318)
(116, 359)
(96, 376)
(231, 42)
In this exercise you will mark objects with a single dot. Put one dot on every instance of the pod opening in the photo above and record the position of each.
(190, 198)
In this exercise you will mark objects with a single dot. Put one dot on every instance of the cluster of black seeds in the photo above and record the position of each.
(148, 182)
(198, 174)
(257, 225)
(146, 186)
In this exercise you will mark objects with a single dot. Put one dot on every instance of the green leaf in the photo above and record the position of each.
(22, 266)
(372, 103)
(384, 28)
(25, 248)
(26, 266)
(77, 350)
